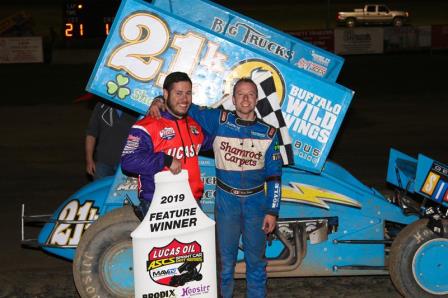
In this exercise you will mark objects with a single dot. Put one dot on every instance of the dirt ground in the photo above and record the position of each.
(401, 102)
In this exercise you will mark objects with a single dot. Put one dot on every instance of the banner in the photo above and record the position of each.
(321, 38)
(245, 31)
(146, 43)
(407, 38)
(358, 41)
(439, 37)
(174, 246)
(21, 50)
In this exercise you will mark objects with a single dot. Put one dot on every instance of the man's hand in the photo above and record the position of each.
(155, 108)
(176, 166)
(269, 223)
(90, 167)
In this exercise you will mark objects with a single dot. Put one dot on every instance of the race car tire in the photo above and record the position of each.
(103, 265)
(398, 22)
(418, 264)
(350, 22)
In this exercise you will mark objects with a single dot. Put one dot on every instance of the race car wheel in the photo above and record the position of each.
(350, 22)
(398, 22)
(103, 265)
(418, 261)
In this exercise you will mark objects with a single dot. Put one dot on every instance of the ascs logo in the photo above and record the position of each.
(167, 133)
(176, 263)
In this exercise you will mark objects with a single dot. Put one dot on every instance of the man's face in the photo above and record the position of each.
(245, 99)
(178, 99)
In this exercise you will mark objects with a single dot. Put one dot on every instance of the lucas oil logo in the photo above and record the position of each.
(167, 133)
(175, 264)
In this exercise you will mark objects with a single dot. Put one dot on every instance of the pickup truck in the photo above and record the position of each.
(373, 14)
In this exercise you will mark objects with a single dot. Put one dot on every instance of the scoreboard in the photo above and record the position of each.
(88, 18)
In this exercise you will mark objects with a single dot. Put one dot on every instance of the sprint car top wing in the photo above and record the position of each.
(423, 176)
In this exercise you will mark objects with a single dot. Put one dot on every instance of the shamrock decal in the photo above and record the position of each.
(118, 88)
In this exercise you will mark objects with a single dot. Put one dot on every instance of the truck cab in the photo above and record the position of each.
(373, 14)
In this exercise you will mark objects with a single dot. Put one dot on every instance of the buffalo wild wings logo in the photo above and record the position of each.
(175, 264)
(167, 133)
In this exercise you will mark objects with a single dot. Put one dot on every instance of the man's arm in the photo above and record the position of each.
(89, 149)
(92, 133)
(139, 158)
(207, 143)
(207, 118)
(273, 172)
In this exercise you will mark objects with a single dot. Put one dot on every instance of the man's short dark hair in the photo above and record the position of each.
(175, 77)
(244, 80)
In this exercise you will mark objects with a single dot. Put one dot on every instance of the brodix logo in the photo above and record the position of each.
(176, 263)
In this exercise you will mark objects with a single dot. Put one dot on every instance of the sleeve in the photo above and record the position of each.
(273, 170)
(207, 143)
(138, 155)
(93, 128)
(207, 118)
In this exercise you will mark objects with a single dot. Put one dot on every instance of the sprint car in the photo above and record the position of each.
(329, 224)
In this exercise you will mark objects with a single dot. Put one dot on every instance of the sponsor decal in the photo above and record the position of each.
(209, 194)
(276, 156)
(194, 130)
(277, 147)
(194, 291)
(253, 37)
(232, 126)
(440, 191)
(320, 59)
(310, 195)
(430, 183)
(129, 183)
(436, 183)
(161, 294)
(69, 234)
(272, 131)
(142, 96)
(350, 35)
(188, 151)
(441, 169)
(132, 144)
(311, 67)
(211, 180)
(306, 151)
(240, 156)
(167, 133)
(311, 115)
(276, 199)
(233, 154)
(176, 264)
(258, 134)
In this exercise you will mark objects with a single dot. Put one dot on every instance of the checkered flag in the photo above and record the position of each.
(268, 109)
